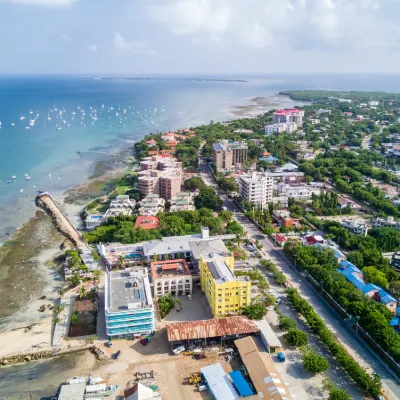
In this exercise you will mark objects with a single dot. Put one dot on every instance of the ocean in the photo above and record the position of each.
(96, 117)
(46, 121)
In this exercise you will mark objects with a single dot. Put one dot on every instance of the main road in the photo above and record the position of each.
(360, 351)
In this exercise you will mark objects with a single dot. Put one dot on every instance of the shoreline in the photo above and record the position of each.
(34, 332)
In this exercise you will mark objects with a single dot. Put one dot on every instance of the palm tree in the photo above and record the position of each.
(122, 261)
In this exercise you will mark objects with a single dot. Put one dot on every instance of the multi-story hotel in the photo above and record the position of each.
(227, 154)
(291, 115)
(128, 306)
(256, 188)
(226, 293)
(160, 175)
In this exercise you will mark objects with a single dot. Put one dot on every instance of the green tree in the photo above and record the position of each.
(315, 363)
(166, 304)
(286, 322)
(394, 288)
(356, 258)
(172, 225)
(225, 215)
(82, 293)
(74, 318)
(208, 198)
(256, 310)
(372, 275)
(296, 337)
(194, 183)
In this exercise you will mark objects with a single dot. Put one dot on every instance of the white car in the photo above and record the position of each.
(278, 301)
(179, 350)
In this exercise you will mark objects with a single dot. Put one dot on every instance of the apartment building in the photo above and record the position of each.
(297, 192)
(182, 201)
(356, 227)
(386, 222)
(227, 154)
(152, 204)
(287, 127)
(128, 309)
(171, 276)
(291, 115)
(226, 294)
(256, 188)
(160, 175)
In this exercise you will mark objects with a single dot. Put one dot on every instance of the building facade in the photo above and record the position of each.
(256, 188)
(171, 276)
(287, 127)
(227, 154)
(291, 115)
(152, 204)
(128, 309)
(226, 294)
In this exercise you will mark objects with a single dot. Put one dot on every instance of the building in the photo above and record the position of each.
(113, 253)
(388, 222)
(297, 192)
(358, 228)
(72, 392)
(160, 175)
(280, 202)
(267, 381)
(287, 127)
(128, 305)
(121, 205)
(291, 115)
(315, 121)
(92, 221)
(218, 383)
(268, 337)
(344, 202)
(323, 111)
(147, 222)
(182, 201)
(245, 131)
(210, 330)
(226, 293)
(152, 204)
(227, 154)
(171, 276)
(256, 188)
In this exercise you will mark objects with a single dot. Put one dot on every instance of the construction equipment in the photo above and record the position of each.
(195, 378)
(188, 353)
(199, 356)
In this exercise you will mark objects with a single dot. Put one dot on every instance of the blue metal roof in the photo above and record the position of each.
(369, 287)
(395, 321)
(218, 146)
(386, 297)
(241, 384)
(352, 277)
(218, 383)
(346, 264)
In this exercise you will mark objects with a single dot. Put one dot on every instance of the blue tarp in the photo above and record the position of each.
(241, 384)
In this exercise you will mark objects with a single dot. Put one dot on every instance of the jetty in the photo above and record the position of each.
(61, 221)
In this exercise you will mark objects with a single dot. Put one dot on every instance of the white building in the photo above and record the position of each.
(323, 111)
(297, 192)
(92, 221)
(388, 222)
(373, 103)
(287, 127)
(282, 200)
(152, 204)
(358, 228)
(315, 121)
(182, 202)
(256, 188)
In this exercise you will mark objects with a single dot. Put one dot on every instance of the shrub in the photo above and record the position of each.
(314, 363)
(296, 337)
(286, 322)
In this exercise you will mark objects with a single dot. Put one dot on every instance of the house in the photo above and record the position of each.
(358, 228)
(147, 222)
(280, 239)
(182, 201)
(344, 202)
(151, 143)
(312, 240)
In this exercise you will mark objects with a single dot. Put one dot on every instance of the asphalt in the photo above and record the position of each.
(359, 350)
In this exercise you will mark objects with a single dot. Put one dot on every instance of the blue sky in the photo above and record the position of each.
(199, 36)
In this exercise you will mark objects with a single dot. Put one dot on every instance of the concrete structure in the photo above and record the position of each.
(344, 202)
(111, 253)
(268, 337)
(152, 204)
(287, 127)
(160, 175)
(297, 192)
(267, 381)
(128, 306)
(227, 154)
(256, 188)
(282, 200)
(182, 201)
(386, 222)
(218, 383)
(121, 205)
(171, 276)
(358, 228)
(291, 115)
(72, 392)
(92, 221)
(226, 294)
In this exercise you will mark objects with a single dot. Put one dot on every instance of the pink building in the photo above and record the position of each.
(291, 115)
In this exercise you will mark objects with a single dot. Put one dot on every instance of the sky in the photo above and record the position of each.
(230, 37)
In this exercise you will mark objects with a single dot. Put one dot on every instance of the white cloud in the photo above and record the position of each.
(134, 46)
(93, 48)
(55, 3)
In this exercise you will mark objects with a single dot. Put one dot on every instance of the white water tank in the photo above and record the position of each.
(205, 233)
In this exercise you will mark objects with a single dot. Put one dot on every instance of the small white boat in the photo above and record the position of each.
(21, 190)
(14, 177)
(48, 116)
(49, 175)
(22, 117)
(12, 124)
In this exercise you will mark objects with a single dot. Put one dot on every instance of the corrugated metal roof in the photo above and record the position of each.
(210, 328)
(241, 384)
(268, 333)
(219, 383)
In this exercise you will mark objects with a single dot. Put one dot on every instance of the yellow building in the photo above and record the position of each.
(226, 294)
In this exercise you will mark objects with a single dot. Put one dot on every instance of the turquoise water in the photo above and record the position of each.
(50, 146)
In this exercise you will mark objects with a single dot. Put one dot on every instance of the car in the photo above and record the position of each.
(108, 344)
(278, 301)
(272, 292)
(116, 355)
(202, 388)
(270, 274)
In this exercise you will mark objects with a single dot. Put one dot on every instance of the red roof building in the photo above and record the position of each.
(147, 222)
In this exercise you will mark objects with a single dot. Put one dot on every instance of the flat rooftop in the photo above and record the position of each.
(127, 290)
(169, 268)
(218, 268)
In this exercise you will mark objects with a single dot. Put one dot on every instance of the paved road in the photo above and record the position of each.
(360, 351)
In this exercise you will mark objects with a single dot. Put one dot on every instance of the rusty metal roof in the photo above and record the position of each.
(210, 328)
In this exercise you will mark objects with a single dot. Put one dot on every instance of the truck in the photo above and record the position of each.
(281, 357)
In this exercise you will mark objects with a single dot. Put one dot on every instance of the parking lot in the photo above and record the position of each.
(192, 310)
